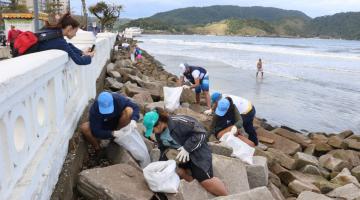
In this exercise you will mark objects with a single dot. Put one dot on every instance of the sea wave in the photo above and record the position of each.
(280, 49)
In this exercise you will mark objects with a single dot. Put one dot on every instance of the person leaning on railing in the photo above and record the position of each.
(67, 26)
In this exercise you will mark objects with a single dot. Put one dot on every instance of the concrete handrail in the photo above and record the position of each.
(42, 98)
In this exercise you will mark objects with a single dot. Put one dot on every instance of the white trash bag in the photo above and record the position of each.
(172, 97)
(129, 138)
(241, 150)
(161, 176)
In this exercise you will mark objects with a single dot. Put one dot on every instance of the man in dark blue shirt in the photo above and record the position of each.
(109, 112)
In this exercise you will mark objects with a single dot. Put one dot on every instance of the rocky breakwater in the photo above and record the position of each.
(287, 164)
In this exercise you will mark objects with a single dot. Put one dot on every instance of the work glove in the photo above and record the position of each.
(133, 124)
(186, 87)
(234, 130)
(208, 112)
(183, 156)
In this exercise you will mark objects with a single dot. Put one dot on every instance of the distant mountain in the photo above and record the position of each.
(341, 25)
(204, 15)
(251, 21)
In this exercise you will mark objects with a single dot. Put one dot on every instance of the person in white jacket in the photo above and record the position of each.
(246, 110)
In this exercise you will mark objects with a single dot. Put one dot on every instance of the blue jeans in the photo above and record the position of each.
(204, 85)
(248, 125)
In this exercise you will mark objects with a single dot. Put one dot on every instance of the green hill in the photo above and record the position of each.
(341, 25)
(259, 21)
(204, 15)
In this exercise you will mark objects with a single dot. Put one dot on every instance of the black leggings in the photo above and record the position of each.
(248, 125)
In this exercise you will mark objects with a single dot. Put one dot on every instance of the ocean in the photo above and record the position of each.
(311, 85)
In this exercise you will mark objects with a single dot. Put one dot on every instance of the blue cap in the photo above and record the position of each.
(222, 107)
(215, 97)
(106, 103)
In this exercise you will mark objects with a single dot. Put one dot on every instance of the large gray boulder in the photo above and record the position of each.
(189, 191)
(356, 172)
(297, 187)
(123, 63)
(260, 193)
(232, 172)
(113, 84)
(337, 142)
(344, 177)
(142, 99)
(120, 181)
(204, 119)
(349, 156)
(258, 173)
(187, 96)
(118, 155)
(220, 149)
(276, 192)
(329, 162)
(307, 195)
(152, 106)
(281, 143)
(284, 160)
(303, 159)
(296, 137)
(311, 169)
(349, 191)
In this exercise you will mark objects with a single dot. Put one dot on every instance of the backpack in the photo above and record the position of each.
(27, 42)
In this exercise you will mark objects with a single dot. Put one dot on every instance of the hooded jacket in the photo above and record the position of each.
(190, 134)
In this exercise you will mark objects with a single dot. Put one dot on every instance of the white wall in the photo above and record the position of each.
(42, 97)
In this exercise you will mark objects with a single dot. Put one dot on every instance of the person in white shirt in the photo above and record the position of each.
(246, 110)
(199, 78)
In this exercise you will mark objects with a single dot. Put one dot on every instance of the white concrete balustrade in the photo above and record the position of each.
(42, 97)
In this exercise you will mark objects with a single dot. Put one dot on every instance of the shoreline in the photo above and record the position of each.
(293, 159)
(250, 36)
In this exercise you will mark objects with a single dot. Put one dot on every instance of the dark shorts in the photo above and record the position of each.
(204, 85)
(196, 172)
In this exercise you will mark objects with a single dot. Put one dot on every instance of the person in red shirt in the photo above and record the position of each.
(12, 35)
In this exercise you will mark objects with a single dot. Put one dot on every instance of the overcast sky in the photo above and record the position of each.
(145, 8)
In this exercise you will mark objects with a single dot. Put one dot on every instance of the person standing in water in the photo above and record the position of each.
(259, 68)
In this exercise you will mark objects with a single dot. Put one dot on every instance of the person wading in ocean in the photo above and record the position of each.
(259, 68)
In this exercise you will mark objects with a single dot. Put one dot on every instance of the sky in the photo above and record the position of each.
(145, 8)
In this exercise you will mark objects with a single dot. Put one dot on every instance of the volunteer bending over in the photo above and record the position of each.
(199, 78)
(189, 136)
(109, 112)
(245, 108)
(227, 119)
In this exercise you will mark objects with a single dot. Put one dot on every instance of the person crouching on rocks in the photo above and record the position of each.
(189, 137)
(199, 78)
(228, 119)
(109, 112)
(247, 112)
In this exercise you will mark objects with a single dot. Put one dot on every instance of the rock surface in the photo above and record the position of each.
(349, 191)
(108, 183)
(283, 144)
(258, 173)
(307, 195)
(260, 193)
(232, 172)
(220, 149)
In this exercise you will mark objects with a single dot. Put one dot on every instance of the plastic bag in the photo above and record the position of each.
(129, 138)
(172, 97)
(241, 150)
(161, 176)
